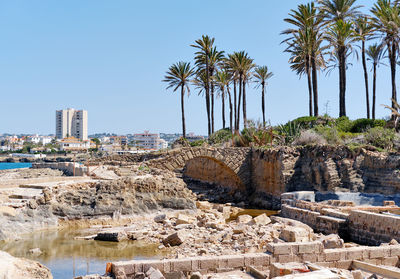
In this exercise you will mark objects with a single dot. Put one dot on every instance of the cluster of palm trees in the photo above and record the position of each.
(324, 34)
(214, 74)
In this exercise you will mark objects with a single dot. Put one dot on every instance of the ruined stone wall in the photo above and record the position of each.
(212, 171)
(373, 228)
(324, 169)
(312, 252)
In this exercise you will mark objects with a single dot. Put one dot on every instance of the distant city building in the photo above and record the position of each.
(192, 137)
(74, 144)
(147, 141)
(71, 123)
(39, 139)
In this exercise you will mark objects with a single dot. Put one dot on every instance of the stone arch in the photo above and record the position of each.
(235, 161)
(210, 170)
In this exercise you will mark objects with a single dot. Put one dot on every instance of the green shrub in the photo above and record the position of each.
(256, 134)
(330, 134)
(220, 136)
(362, 125)
(380, 137)
(305, 122)
(197, 143)
(290, 131)
(344, 124)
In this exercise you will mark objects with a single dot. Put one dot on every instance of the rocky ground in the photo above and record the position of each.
(210, 230)
(28, 173)
(12, 267)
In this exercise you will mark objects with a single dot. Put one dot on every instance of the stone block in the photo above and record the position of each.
(196, 263)
(390, 261)
(287, 259)
(355, 253)
(181, 265)
(208, 263)
(343, 264)
(157, 264)
(309, 257)
(395, 251)
(280, 248)
(236, 261)
(332, 255)
(379, 252)
(310, 247)
(262, 260)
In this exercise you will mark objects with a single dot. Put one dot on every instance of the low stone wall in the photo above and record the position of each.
(365, 225)
(277, 252)
(320, 223)
(68, 168)
(373, 228)
(123, 270)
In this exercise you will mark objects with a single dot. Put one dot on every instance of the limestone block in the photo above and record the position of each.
(335, 255)
(262, 220)
(280, 248)
(182, 219)
(111, 236)
(332, 241)
(310, 247)
(181, 265)
(395, 251)
(355, 253)
(175, 239)
(208, 263)
(244, 219)
(295, 234)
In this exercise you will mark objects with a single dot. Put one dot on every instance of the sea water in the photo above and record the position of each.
(9, 166)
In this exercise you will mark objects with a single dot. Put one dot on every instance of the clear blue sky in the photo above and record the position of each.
(109, 58)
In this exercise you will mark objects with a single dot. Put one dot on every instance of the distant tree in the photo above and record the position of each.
(261, 74)
(341, 37)
(375, 55)
(223, 79)
(179, 75)
(386, 20)
(364, 32)
(204, 46)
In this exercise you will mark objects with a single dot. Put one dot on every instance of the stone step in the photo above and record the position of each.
(27, 186)
(21, 197)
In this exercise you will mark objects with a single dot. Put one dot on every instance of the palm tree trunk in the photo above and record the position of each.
(315, 85)
(235, 102)
(238, 108)
(183, 111)
(374, 92)
(208, 94)
(263, 103)
(244, 104)
(342, 81)
(392, 56)
(208, 112)
(365, 77)
(223, 108)
(212, 107)
(230, 110)
(310, 98)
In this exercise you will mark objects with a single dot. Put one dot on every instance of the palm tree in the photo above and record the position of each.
(341, 36)
(335, 10)
(178, 75)
(200, 82)
(223, 79)
(304, 45)
(231, 66)
(375, 53)
(386, 21)
(240, 65)
(364, 31)
(247, 68)
(205, 45)
(215, 61)
(261, 74)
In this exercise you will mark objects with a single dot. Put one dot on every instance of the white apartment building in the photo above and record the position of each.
(71, 123)
(40, 139)
(147, 141)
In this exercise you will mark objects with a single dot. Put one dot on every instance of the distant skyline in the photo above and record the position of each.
(109, 57)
